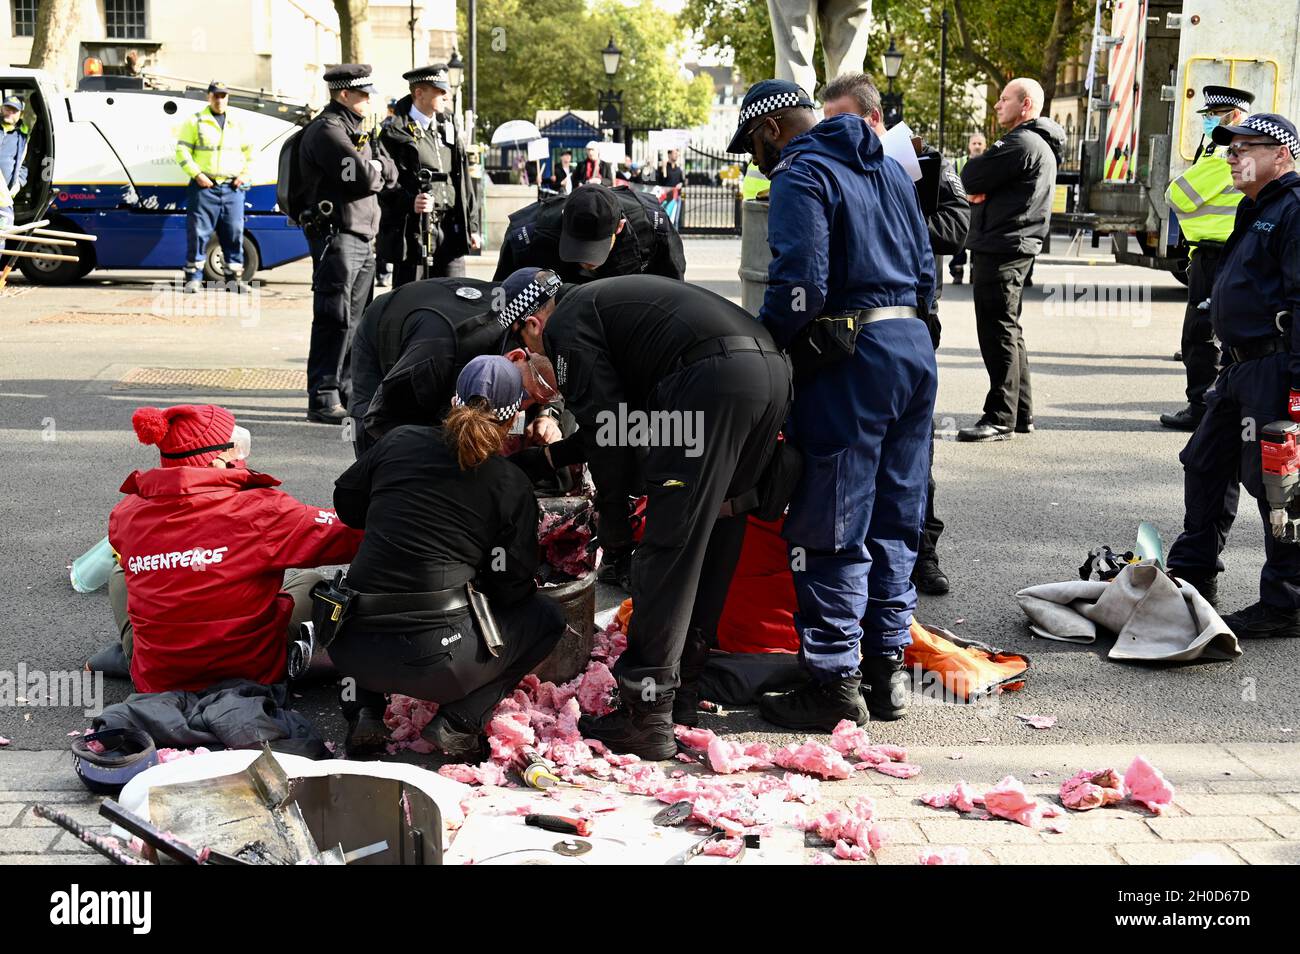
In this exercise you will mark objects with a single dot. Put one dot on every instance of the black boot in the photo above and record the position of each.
(455, 741)
(640, 728)
(928, 578)
(367, 734)
(1185, 420)
(1262, 621)
(885, 686)
(985, 430)
(111, 661)
(1207, 584)
(686, 698)
(817, 706)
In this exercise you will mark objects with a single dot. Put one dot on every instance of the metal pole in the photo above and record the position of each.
(473, 63)
(411, 24)
(943, 77)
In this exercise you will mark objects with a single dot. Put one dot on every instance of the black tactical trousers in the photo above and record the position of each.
(1200, 355)
(343, 282)
(999, 282)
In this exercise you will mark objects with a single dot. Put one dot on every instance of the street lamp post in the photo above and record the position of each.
(943, 76)
(609, 102)
(891, 101)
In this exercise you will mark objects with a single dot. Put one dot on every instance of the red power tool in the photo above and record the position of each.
(1280, 458)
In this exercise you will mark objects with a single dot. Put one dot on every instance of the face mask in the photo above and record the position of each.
(1209, 124)
(243, 442)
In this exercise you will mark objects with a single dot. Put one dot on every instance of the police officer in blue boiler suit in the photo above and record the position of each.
(851, 277)
(1254, 306)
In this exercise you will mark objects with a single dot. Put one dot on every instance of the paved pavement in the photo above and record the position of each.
(1020, 512)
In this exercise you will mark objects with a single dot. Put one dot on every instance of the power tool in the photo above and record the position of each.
(1280, 459)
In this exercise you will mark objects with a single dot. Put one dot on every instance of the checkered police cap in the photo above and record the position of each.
(436, 75)
(496, 380)
(1217, 97)
(526, 290)
(764, 98)
(506, 413)
(349, 76)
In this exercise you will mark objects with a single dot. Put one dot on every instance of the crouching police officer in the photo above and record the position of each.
(1254, 307)
(865, 382)
(412, 344)
(446, 609)
(595, 232)
(428, 218)
(688, 381)
(350, 172)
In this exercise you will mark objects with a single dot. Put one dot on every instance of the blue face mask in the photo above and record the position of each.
(1209, 124)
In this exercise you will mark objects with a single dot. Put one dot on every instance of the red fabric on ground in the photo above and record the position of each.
(758, 616)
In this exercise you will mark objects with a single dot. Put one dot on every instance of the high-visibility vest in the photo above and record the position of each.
(219, 152)
(754, 183)
(1205, 200)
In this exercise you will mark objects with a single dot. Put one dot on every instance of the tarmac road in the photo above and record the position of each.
(1020, 512)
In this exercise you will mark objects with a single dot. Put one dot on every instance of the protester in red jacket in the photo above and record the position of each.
(204, 543)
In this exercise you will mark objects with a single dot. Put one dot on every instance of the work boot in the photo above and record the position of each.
(1207, 584)
(1262, 621)
(367, 734)
(640, 728)
(817, 706)
(985, 430)
(885, 686)
(1185, 420)
(326, 411)
(928, 578)
(686, 698)
(455, 741)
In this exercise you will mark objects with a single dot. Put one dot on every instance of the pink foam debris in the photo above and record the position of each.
(961, 797)
(727, 848)
(726, 757)
(877, 837)
(802, 788)
(898, 769)
(850, 852)
(944, 856)
(3, 741)
(596, 689)
(1147, 786)
(1037, 721)
(1008, 799)
(1088, 790)
(697, 739)
(171, 755)
(813, 758)
(509, 734)
(484, 774)
(846, 737)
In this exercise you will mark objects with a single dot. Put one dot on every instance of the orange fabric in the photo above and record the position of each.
(966, 671)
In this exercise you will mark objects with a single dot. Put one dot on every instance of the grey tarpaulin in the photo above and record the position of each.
(1155, 619)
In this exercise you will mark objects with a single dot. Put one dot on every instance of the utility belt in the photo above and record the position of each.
(334, 603)
(829, 339)
(1254, 350)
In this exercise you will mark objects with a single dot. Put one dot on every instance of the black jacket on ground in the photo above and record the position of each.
(1017, 176)
(648, 243)
(400, 238)
(431, 526)
(335, 154)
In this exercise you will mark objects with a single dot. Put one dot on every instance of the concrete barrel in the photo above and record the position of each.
(755, 256)
(572, 653)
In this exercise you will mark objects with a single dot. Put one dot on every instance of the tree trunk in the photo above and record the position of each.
(1064, 25)
(56, 22)
(354, 30)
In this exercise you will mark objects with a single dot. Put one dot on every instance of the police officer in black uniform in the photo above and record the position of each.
(441, 508)
(413, 342)
(430, 218)
(675, 385)
(595, 232)
(339, 156)
(948, 221)
(1254, 307)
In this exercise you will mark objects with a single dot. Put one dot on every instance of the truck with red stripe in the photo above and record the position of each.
(1143, 129)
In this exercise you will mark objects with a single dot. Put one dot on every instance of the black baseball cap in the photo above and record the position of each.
(590, 219)
(218, 87)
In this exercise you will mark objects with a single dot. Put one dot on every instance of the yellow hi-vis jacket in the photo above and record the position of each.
(1205, 200)
(219, 153)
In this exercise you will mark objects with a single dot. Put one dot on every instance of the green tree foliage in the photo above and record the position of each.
(547, 56)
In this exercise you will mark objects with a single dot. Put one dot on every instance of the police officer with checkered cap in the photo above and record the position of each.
(430, 220)
(338, 154)
(413, 341)
(1254, 307)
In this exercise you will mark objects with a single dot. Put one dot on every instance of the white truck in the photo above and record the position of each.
(1161, 53)
(102, 160)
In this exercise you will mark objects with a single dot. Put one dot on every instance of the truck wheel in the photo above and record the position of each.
(213, 268)
(40, 272)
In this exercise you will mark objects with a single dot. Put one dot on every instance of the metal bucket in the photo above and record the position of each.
(572, 653)
(755, 254)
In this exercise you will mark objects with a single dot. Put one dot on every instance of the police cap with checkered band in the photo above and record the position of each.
(350, 76)
(1263, 124)
(763, 98)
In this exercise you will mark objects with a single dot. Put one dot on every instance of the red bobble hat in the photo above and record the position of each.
(187, 435)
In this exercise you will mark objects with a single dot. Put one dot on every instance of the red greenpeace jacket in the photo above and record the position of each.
(205, 550)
